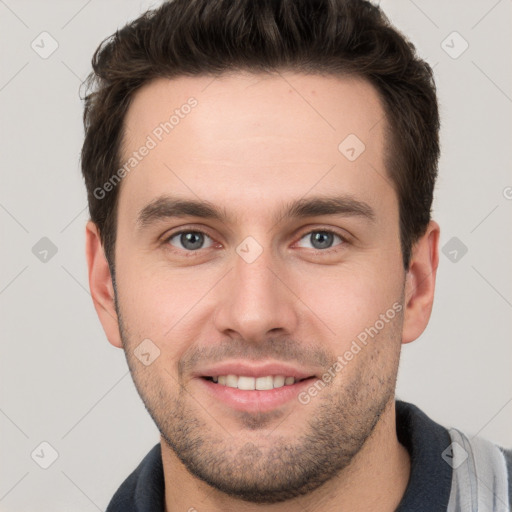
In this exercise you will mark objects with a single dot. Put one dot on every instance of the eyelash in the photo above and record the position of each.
(330, 250)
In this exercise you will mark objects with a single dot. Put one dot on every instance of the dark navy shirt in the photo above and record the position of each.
(428, 488)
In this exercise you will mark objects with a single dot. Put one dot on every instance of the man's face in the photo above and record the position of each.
(260, 291)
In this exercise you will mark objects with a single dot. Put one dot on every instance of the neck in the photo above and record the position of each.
(375, 480)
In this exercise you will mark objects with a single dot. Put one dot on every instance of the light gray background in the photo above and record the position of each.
(63, 383)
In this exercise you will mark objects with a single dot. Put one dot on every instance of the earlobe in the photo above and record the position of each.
(420, 283)
(100, 284)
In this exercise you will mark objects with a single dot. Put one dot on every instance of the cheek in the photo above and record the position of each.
(348, 300)
(157, 302)
(153, 301)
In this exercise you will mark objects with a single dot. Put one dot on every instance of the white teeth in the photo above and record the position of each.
(264, 383)
(246, 383)
(279, 381)
(251, 383)
(231, 381)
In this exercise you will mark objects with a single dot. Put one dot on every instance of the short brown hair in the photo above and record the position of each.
(211, 37)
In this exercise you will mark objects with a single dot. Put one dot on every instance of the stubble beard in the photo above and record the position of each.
(273, 468)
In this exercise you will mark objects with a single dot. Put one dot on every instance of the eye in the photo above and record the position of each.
(190, 240)
(321, 239)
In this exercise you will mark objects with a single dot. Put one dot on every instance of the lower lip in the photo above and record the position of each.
(257, 400)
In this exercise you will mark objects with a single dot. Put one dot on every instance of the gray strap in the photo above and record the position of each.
(480, 478)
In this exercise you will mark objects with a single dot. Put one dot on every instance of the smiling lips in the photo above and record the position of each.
(248, 383)
(254, 388)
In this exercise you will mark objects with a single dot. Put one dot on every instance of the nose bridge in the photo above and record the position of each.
(255, 301)
(253, 280)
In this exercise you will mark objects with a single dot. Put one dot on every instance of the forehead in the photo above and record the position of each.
(263, 136)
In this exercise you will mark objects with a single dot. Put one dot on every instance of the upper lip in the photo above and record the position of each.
(254, 370)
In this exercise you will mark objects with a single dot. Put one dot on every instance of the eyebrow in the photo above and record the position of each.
(167, 207)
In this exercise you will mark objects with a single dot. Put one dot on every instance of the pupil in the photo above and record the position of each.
(321, 239)
(192, 241)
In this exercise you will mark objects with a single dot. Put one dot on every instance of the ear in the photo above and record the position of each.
(420, 283)
(100, 284)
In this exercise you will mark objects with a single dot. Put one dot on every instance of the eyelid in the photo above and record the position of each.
(344, 238)
(186, 229)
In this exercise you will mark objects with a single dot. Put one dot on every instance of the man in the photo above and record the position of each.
(260, 178)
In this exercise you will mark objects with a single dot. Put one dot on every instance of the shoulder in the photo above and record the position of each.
(507, 454)
(451, 471)
(482, 472)
(143, 489)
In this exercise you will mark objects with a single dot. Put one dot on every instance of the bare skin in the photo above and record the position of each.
(252, 146)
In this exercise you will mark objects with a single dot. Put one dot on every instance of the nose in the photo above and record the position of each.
(257, 300)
